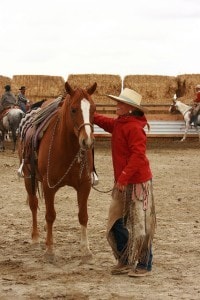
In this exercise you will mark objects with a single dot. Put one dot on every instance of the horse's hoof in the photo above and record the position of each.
(35, 241)
(35, 238)
(86, 258)
(35, 246)
(49, 257)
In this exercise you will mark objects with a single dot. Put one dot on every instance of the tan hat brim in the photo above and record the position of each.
(144, 109)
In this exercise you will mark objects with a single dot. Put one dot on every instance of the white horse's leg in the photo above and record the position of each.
(184, 136)
(85, 249)
(2, 138)
(198, 131)
(82, 196)
(187, 125)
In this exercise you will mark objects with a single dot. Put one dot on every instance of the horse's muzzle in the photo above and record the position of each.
(87, 142)
(86, 136)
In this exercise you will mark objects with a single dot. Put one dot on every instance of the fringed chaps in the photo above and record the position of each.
(136, 206)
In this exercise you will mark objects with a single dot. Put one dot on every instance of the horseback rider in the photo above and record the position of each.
(196, 105)
(8, 100)
(22, 100)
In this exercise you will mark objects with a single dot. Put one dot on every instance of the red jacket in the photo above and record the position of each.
(197, 100)
(130, 163)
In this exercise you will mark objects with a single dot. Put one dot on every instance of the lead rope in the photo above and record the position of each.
(84, 163)
(100, 191)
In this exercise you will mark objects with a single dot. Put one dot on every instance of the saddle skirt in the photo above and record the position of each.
(33, 126)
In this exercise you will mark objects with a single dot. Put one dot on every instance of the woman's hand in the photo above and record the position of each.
(120, 187)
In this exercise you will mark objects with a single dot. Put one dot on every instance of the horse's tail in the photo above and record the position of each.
(33, 159)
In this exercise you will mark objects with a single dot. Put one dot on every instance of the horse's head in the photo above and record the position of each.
(81, 112)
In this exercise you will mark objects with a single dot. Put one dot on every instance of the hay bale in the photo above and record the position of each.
(106, 84)
(39, 86)
(155, 89)
(4, 81)
(186, 86)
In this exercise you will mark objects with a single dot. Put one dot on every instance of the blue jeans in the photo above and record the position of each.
(121, 235)
(148, 265)
(22, 106)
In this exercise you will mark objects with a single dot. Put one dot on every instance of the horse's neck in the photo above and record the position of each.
(183, 108)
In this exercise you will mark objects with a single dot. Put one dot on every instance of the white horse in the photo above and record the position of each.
(10, 123)
(185, 110)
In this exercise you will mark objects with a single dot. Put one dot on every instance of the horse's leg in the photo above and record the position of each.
(2, 146)
(1, 143)
(82, 196)
(187, 125)
(14, 138)
(50, 218)
(33, 204)
(198, 131)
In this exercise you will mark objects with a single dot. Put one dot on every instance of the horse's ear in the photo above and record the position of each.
(174, 98)
(68, 88)
(92, 89)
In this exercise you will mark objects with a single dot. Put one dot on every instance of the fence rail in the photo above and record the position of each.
(157, 129)
(155, 111)
(162, 122)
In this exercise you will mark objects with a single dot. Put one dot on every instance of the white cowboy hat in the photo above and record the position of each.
(130, 97)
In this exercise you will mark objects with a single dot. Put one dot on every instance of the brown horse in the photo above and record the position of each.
(63, 157)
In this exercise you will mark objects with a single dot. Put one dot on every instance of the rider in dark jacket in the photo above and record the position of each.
(22, 100)
(8, 99)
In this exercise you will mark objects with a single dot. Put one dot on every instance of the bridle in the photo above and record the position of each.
(84, 124)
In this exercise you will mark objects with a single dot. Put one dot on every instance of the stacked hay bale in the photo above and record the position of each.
(106, 84)
(4, 81)
(186, 86)
(39, 86)
(155, 89)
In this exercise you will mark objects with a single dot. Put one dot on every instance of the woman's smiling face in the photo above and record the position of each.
(123, 108)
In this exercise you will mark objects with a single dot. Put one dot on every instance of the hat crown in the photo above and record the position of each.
(131, 96)
(7, 87)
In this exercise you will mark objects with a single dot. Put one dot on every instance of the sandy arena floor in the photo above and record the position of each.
(25, 274)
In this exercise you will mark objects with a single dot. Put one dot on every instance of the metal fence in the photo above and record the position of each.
(157, 129)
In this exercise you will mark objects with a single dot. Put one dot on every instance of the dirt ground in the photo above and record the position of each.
(25, 274)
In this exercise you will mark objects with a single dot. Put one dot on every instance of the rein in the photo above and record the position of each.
(100, 191)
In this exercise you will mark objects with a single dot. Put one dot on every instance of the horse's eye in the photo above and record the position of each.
(73, 110)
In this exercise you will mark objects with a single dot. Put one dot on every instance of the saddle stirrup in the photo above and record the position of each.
(19, 171)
